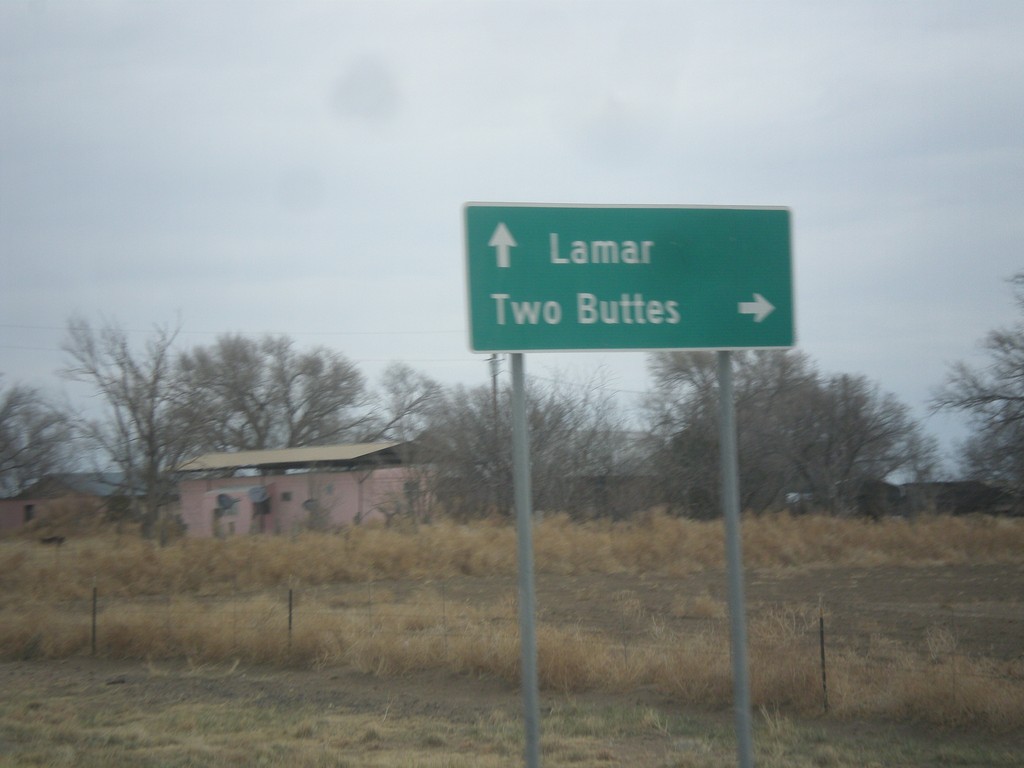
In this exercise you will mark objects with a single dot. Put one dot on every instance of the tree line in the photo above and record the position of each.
(803, 433)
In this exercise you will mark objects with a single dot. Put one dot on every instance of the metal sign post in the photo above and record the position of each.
(734, 556)
(524, 558)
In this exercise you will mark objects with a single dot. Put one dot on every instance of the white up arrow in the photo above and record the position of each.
(501, 241)
(760, 307)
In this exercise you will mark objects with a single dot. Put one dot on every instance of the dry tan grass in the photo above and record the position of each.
(419, 634)
(209, 602)
(701, 606)
(654, 543)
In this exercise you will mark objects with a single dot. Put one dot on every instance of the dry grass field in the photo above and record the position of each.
(403, 646)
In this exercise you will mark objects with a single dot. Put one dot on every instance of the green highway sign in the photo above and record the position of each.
(567, 277)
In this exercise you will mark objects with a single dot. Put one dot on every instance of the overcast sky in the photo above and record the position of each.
(300, 167)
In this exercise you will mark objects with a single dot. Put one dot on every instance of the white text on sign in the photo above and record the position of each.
(628, 309)
(603, 251)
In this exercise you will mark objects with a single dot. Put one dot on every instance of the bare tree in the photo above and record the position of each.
(849, 433)
(682, 412)
(771, 388)
(681, 416)
(258, 394)
(993, 398)
(406, 398)
(577, 447)
(403, 406)
(797, 431)
(35, 438)
(573, 431)
(468, 443)
(145, 429)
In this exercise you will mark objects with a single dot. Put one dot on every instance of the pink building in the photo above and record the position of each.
(294, 489)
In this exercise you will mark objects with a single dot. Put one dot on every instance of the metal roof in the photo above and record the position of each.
(294, 458)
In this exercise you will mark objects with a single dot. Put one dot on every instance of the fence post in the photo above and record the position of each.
(821, 640)
(369, 605)
(953, 655)
(94, 601)
(625, 641)
(289, 619)
(444, 619)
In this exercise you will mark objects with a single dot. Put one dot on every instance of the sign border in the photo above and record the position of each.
(625, 206)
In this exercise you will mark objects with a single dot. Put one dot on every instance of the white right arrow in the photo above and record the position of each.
(760, 307)
(502, 240)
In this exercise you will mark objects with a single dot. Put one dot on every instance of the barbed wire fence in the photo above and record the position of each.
(296, 626)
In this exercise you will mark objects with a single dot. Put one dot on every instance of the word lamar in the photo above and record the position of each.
(603, 252)
(589, 310)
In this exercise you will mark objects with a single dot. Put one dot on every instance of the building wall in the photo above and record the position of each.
(12, 512)
(293, 501)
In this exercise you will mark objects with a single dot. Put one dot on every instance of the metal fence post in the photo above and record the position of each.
(821, 639)
(444, 619)
(94, 602)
